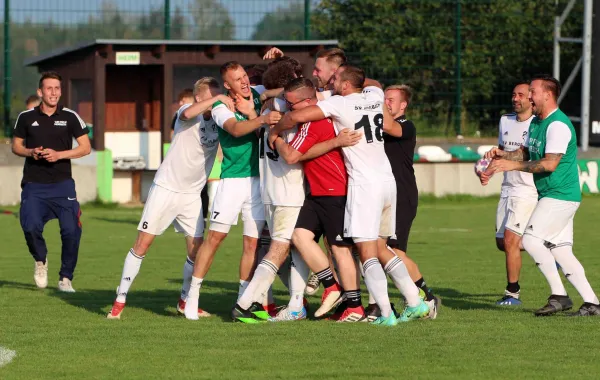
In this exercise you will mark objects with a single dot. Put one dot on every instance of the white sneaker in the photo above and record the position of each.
(40, 274)
(65, 286)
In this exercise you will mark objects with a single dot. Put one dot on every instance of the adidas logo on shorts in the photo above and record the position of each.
(338, 238)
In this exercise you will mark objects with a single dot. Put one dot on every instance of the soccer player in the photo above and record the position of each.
(44, 136)
(550, 153)
(326, 64)
(323, 210)
(400, 151)
(32, 101)
(174, 196)
(239, 187)
(518, 195)
(371, 204)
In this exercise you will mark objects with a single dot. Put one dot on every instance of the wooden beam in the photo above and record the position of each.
(211, 51)
(159, 51)
(99, 100)
(105, 50)
(167, 100)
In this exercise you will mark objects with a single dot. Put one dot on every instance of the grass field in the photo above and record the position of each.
(59, 336)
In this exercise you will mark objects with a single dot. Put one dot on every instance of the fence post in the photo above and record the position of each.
(307, 19)
(7, 76)
(457, 69)
(167, 26)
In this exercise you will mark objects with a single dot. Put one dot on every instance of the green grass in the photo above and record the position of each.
(67, 336)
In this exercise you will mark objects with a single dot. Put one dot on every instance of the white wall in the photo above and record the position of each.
(10, 184)
(133, 144)
(453, 178)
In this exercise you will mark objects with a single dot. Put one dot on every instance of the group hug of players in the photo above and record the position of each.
(309, 161)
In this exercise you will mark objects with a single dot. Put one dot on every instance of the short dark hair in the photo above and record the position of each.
(333, 55)
(279, 74)
(549, 84)
(185, 93)
(255, 73)
(231, 65)
(354, 75)
(522, 82)
(32, 99)
(49, 75)
(293, 63)
(298, 83)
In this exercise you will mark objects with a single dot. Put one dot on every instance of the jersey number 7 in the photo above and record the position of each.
(365, 123)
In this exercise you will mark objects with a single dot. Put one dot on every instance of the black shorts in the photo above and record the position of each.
(324, 216)
(406, 212)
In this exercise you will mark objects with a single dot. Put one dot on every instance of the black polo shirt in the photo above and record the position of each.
(55, 132)
(400, 151)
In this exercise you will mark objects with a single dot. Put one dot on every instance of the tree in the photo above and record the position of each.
(413, 42)
(210, 20)
(283, 24)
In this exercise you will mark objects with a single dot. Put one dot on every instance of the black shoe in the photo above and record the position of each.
(554, 305)
(587, 310)
(255, 314)
(372, 312)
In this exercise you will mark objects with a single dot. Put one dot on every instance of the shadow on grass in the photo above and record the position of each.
(113, 220)
(455, 299)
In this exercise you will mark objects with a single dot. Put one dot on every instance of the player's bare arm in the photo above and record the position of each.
(200, 107)
(311, 113)
(521, 154)
(292, 156)
(273, 93)
(18, 148)
(83, 149)
(390, 126)
(547, 164)
(372, 82)
(241, 128)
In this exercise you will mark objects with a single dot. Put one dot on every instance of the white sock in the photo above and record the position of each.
(188, 270)
(574, 272)
(299, 273)
(545, 261)
(242, 288)
(284, 272)
(131, 267)
(371, 299)
(396, 269)
(259, 286)
(191, 302)
(194, 290)
(377, 285)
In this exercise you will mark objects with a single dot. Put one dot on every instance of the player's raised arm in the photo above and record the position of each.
(311, 113)
(199, 107)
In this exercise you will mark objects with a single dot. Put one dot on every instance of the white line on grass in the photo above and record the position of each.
(6, 356)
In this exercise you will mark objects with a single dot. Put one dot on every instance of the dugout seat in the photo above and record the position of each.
(463, 153)
(434, 153)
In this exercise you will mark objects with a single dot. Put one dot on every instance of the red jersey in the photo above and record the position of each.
(326, 174)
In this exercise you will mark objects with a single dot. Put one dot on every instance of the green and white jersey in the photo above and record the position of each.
(240, 154)
(555, 134)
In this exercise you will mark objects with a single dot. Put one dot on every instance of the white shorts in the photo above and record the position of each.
(370, 211)
(513, 214)
(164, 207)
(282, 221)
(235, 196)
(552, 221)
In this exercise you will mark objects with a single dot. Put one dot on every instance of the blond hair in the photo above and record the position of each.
(404, 89)
(202, 83)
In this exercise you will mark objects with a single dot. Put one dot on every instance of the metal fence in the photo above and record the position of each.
(461, 56)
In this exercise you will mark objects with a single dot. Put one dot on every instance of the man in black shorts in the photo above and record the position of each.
(400, 151)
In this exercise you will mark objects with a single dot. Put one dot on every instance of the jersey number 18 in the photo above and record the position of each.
(365, 123)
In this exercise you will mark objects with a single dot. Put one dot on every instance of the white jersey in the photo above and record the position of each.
(281, 184)
(512, 135)
(366, 162)
(191, 155)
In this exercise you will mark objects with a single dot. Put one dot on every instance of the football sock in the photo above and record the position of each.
(259, 286)
(371, 299)
(131, 267)
(513, 287)
(420, 283)
(284, 273)
(353, 298)
(574, 272)
(377, 284)
(545, 261)
(299, 273)
(396, 269)
(188, 270)
(326, 277)
(191, 302)
(242, 288)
